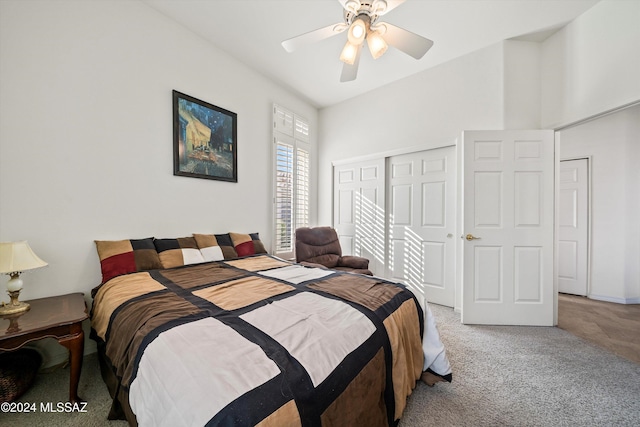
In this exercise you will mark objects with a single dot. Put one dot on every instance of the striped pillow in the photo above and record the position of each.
(126, 256)
(178, 252)
(215, 247)
(247, 244)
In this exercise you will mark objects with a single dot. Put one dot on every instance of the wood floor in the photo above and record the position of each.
(615, 327)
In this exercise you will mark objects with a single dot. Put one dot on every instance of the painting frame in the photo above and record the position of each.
(205, 139)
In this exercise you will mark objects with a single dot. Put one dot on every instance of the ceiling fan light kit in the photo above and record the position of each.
(358, 30)
(377, 45)
(348, 54)
(360, 17)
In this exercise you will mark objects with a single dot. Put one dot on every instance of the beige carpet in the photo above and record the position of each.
(502, 376)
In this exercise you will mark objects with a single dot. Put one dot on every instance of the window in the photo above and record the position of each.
(291, 192)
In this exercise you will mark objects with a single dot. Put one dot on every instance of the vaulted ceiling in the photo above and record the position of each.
(252, 32)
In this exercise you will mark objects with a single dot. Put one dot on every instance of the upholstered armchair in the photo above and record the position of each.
(320, 247)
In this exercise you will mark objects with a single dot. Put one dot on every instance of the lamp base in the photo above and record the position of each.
(14, 306)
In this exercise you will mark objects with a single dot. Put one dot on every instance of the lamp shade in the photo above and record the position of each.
(18, 257)
(349, 53)
(377, 45)
(357, 31)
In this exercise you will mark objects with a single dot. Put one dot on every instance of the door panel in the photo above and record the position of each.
(345, 207)
(434, 204)
(402, 203)
(488, 187)
(487, 268)
(421, 223)
(528, 280)
(508, 216)
(359, 210)
(573, 227)
(434, 264)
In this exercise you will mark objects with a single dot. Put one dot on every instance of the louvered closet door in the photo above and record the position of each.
(421, 215)
(359, 210)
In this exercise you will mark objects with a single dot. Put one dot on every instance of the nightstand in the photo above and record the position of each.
(54, 317)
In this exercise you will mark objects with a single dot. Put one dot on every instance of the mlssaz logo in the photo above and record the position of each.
(63, 407)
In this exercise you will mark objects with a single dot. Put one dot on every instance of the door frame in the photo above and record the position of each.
(589, 160)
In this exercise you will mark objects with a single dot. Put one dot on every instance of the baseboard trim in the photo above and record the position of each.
(616, 300)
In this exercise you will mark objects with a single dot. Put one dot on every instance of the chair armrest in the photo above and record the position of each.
(353, 261)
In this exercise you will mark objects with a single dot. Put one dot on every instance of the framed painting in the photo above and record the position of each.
(204, 140)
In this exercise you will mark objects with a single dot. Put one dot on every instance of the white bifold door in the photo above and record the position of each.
(359, 210)
(421, 223)
(399, 211)
(508, 226)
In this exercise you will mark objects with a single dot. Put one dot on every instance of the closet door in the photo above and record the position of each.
(573, 227)
(358, 217)
(421, 223)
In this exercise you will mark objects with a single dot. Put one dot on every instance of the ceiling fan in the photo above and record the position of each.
(361, 21)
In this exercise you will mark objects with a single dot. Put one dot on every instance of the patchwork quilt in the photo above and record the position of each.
(261, 341)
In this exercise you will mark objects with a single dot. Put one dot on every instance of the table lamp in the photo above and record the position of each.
(16, 257)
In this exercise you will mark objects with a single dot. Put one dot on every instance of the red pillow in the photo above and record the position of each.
(119, 257)
(247, 244)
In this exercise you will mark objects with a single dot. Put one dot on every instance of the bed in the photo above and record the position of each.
(257, 340)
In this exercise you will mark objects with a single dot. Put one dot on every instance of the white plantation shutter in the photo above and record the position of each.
(302, 188)
(291, 189)
(282, 121)
(284, 197)
(301, 129)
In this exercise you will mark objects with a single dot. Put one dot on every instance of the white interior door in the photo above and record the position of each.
(573, 227)
(359, 210)
(421, 223)
(508, 229)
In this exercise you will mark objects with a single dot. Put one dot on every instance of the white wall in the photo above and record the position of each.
(522, 85)
(426, 110)
(86, 134)
(612, 144)
(592, 64)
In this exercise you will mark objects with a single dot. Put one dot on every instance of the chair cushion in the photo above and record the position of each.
(328, 260)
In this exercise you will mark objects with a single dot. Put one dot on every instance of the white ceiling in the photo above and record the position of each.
(252, 30)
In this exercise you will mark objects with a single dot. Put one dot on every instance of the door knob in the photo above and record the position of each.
(471, 237)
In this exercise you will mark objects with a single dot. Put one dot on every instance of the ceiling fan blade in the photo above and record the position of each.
(391, 4)
(379, 7)
(404, 40)
(349, 5)
(313, 36)
(350, 72)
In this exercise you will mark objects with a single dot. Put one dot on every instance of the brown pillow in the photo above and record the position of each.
(126, 256)
(178, 252)
(216, 247)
